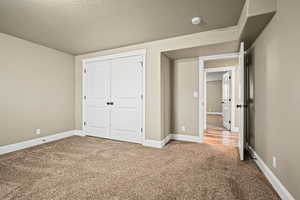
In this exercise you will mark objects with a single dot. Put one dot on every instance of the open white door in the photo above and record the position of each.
(226, 100)
(241, 100)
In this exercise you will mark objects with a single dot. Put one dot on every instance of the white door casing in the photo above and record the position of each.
(202, 85)
(226, 100)
(113, 90)
(241, 101)
(202, 102)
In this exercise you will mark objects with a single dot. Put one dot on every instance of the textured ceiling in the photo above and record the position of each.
(81, 26)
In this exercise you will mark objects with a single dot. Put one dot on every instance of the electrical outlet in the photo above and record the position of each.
(274, 162)
(38, 131)
(195, 94)
(183, 128)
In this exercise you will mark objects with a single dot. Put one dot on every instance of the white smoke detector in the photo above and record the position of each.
(196, 20)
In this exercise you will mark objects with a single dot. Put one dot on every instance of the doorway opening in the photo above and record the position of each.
(220, 113)
(239, 101)
(183, 77)
(218, 100)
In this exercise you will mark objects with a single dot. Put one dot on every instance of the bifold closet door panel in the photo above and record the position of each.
(97, 91)
(126, 91)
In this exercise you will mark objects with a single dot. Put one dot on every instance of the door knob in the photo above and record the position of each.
(241, 106)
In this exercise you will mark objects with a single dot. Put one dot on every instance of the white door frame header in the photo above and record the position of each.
(220, 69)
(219, 56)
(141, 52)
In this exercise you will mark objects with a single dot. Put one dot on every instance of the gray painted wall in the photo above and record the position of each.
(37, 90)
(166, 67)
(214, 96)
(276, 64)
(185, 79)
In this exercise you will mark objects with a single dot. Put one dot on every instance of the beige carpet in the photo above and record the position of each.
(90, 168)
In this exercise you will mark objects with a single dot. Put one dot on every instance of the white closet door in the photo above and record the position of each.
(126, 91)
(97, 91)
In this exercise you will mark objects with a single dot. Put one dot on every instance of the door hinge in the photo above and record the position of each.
(142, 63)
(85, 70)
(84, 123)
(142, 96)
(229, 77)
(229, 122)
(84, 97)
(141, 130)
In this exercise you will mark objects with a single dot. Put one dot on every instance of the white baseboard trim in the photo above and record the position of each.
(214, 113)
(79, 133)
(30, 143)
(186, 138)
(157, 144)
(58, 136)
(167, 139)
(162, 143)
(275, 182)
(235, 129)
(153, 143)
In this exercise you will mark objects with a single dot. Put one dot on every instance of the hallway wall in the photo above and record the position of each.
(277, 97)
(185, 78)
(37, 90)
(166, 92)
(214, 96)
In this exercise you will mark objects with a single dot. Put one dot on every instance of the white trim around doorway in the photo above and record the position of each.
(202, 87)
(214, 113)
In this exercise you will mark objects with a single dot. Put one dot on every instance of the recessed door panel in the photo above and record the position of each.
(129, 124)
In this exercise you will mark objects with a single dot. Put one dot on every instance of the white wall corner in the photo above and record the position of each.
(156, 143)
(275, 182)
(167, 139)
